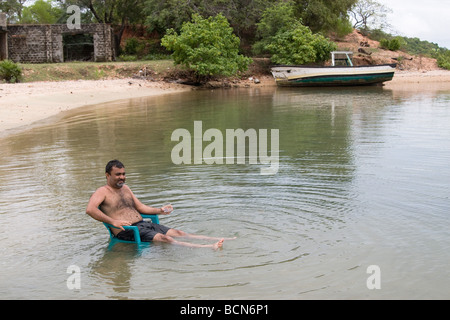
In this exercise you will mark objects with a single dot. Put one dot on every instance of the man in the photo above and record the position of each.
(120, 207)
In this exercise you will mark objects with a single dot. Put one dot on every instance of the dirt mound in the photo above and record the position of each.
(368, 52)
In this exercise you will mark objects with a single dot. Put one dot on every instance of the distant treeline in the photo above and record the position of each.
(413, 46)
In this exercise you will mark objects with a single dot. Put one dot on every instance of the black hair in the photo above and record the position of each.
(113, 163)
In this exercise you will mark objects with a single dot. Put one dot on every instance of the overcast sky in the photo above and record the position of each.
(427, 20)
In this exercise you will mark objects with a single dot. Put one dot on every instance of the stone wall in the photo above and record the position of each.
(44, 43)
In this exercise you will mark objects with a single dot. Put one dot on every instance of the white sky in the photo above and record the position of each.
(426, 20)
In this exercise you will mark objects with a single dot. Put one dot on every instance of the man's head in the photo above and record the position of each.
(115, 174)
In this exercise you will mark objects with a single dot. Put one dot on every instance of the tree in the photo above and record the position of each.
(322, 15)
(166, 14)
(299, 46)
(288, 40)
(279, 17)
(369, 14)
(41, 12)
(206, 46)
(13, 9)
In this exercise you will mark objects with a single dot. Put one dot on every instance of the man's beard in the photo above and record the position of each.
(120, 184)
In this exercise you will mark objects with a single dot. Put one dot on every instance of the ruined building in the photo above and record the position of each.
(55, 43)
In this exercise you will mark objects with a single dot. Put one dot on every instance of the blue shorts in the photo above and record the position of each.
(147, 231)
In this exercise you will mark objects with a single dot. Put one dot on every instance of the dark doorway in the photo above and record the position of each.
(78, 47)
(3, 45)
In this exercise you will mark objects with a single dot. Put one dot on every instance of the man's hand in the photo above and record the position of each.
(120, 223)
(167, 209)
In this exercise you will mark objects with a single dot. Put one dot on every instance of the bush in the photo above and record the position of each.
(206, 46)
(393, 44)
(288, 40)
(299, 46)
(10, 71)
(443, 60)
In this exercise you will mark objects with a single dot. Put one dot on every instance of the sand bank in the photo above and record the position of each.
(23, 104)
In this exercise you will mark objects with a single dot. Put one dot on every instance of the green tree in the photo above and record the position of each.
(299, 46)
(277, 18)
(206, 46)
(13, 9)
(322, 15)
(287, 39)
(41, 12)
(166, 14)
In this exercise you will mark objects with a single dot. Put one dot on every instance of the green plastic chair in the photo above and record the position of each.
(137, 237)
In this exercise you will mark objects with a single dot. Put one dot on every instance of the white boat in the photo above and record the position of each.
(342, 72)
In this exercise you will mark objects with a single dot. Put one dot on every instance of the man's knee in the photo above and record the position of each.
(162, 238)
(176, 233)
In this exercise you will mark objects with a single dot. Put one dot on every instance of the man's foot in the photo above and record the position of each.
(218, 244)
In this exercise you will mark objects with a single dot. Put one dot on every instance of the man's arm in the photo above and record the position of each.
(142, 208)
(92, 210)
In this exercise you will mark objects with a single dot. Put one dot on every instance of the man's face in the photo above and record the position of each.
(117, 177)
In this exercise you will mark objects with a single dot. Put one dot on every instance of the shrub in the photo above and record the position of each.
(299, 46)
(206, 46)
(393, 44)
(288, 41)
(10, 71)
(443, 60)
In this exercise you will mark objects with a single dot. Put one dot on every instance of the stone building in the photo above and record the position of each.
(55, 43)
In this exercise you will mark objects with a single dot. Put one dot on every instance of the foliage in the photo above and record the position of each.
(443, 59)
(132, 46)
(322, 15)
(299, 46)
(413, 46)
(10, 71)
(277, 18)
(42, 12)
(171, 14)
(206, 46)
(343, 27)
(288, 40)
(393, 44)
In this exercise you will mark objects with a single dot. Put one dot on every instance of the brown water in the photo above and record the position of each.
(363, 180)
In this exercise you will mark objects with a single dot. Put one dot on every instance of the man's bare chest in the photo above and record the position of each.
(119, 200)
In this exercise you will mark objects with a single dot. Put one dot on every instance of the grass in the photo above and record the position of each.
(92, 70)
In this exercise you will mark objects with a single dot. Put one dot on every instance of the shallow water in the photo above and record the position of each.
(363, 180)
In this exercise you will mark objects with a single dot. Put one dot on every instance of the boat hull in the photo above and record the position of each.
(300, 76)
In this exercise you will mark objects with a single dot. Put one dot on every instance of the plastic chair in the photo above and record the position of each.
(137, 237)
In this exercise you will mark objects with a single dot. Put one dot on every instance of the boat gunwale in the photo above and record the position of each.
(392, 65)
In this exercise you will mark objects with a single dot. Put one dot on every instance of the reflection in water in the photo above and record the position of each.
(363, 180)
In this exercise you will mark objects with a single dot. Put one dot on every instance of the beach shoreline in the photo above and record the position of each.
(24, 104)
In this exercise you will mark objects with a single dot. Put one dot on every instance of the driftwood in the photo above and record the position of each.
(361, 50)
(402, 58)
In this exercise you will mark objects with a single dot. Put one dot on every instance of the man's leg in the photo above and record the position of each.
(181, 234)
(168, 239)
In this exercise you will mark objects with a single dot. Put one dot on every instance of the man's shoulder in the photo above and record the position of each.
(101, 190)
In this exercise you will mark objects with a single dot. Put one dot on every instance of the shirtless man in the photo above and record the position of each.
(120, 207)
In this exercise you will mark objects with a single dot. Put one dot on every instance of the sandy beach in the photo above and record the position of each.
(23, 104)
